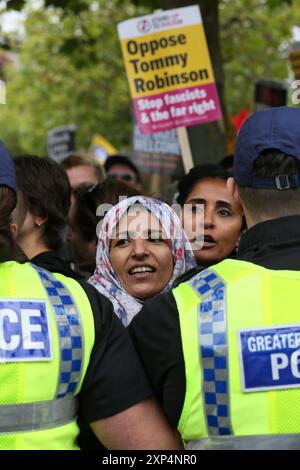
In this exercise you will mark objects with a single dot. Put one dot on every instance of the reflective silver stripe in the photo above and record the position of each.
(213, 350)
(36, 416)
(264, 442)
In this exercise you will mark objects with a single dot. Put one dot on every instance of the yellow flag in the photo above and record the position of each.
(101, 148)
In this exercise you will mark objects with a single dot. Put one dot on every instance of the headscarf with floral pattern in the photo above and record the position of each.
(105, 278)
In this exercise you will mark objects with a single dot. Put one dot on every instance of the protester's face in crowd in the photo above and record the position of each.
(140, 255)
(222, 220)
(81, 174)
(122, 173)
(84, 251)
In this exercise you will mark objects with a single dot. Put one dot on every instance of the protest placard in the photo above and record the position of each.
(156, 153)
(169, 70)
(61, 141)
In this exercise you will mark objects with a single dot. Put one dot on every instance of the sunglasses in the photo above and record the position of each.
(121, 176)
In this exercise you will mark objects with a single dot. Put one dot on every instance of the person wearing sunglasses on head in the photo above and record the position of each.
(119, 167)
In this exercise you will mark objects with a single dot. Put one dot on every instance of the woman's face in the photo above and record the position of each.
(222, 220)
(140, 255)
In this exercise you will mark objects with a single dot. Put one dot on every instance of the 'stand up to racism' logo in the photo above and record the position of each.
(144, 26)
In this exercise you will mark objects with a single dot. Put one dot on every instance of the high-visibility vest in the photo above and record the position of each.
(46, 338)
(240, 330)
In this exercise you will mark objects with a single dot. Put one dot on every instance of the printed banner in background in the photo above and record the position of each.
(155, 153)
(61, 142)
(169, 70)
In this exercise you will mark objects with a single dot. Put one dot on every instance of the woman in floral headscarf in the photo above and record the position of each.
(142, 249)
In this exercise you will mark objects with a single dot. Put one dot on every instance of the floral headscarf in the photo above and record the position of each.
(105, 279)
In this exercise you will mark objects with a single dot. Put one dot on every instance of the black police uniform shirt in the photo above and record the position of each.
(52, 261)
(274, 244)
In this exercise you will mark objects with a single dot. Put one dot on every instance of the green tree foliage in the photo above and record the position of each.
(255, 36)
(70, 70)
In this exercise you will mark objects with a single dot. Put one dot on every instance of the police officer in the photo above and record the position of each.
(225, 363)
(61, 359)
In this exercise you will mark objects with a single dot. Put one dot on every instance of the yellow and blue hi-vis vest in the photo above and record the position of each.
(240, 330)
(46, 338)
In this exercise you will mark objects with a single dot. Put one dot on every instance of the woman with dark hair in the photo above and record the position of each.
(89, 207)
(59, 340)
(39, 220)
(211, 218)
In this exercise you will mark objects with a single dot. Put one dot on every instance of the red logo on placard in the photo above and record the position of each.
(144, 26)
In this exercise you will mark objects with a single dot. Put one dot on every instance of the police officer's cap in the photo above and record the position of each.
(274, 128)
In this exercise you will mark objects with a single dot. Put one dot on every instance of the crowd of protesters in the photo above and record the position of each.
(109, 256)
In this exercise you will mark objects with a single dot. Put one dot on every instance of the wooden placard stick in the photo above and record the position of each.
(186, 153)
